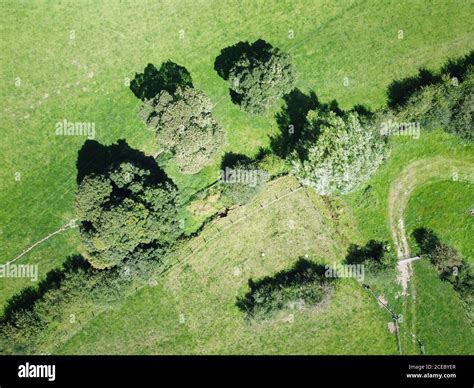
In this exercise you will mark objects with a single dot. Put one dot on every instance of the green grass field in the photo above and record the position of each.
(442, 324)
(73, 60)
(205, 285)
(445, 208)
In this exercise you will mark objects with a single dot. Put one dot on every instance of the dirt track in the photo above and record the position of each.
(416, 174)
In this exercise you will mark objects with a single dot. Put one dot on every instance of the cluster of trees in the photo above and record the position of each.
(258, 74)
(447, 261)
(128, 212)
(66, 297)
(304, 286)
(438, 100)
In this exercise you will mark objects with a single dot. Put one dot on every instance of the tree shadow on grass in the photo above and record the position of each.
(231, 159)
(228, 56)
(458, 67)
(258, 50)
(426, 240)
(292, 121)
(400, 91)
(26, 299)
(96, 158)
(152, 81)
(373, 250)
(261, 291)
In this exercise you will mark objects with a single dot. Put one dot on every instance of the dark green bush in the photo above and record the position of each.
(303, 286)
(258, 73)
(449, 264)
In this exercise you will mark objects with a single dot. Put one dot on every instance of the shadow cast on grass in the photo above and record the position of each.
(400, 91)
(96, 158)
(258, 50)
(293, 123)
(373, 251)
(26, 298)
(275, 292)
(152, 81)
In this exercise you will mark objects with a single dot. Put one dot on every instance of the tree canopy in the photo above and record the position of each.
(259, 74)
(185, 127)
(123, 210)
(344, 155)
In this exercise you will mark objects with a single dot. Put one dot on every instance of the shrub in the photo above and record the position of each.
(241, 182)
(462, 110)
(449, 264)
(35, 317)
(303, 286)
(445, 104)
(152, 81)
(375, 255)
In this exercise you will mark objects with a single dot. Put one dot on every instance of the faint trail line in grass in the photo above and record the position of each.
(312, 34)
(70, 225)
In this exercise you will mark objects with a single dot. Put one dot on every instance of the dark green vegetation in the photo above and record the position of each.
(439, 100)
(331, 45)
(41, 318)
(179, 115)
(304, 286)
(449, 264)
(258, 73)
(153, 81)
(375, 256)
(453, 200)
(128, 209)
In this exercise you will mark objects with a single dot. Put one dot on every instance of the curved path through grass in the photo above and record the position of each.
(416, 174)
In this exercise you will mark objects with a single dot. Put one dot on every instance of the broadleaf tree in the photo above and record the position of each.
(185, 127)
(124, 210)
(259, 75)
(344, 155)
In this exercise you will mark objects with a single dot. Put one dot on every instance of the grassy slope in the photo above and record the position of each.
(441, 321)
(370, 210)
(204, 288)
(444, 207)
(370, 203)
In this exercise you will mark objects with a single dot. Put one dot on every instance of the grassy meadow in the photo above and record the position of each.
(200, 293)
(74, 61)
